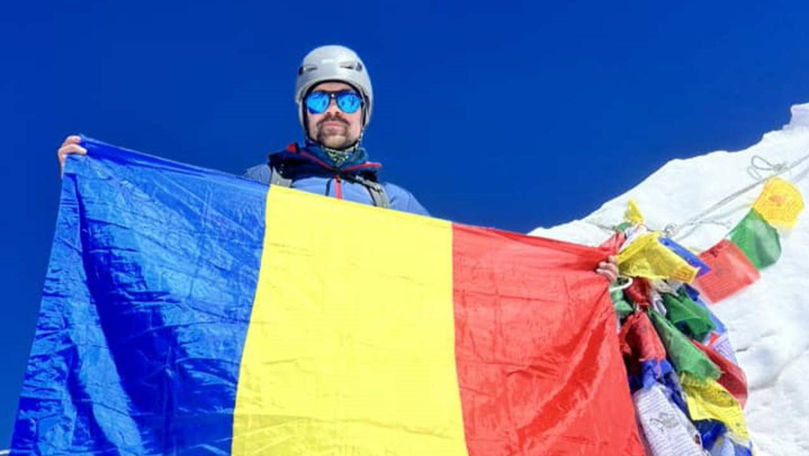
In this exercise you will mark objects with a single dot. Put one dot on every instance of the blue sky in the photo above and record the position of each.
(512, 115)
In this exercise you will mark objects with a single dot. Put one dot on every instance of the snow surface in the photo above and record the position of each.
(768, 322)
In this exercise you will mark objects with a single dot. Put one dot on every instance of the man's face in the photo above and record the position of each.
(334, 128)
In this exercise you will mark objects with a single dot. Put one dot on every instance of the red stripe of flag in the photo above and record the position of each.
(536, 347)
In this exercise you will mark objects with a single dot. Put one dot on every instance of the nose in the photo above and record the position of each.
(332, 108)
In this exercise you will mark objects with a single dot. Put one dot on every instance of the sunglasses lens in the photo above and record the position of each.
(317, 102)
(349, 102)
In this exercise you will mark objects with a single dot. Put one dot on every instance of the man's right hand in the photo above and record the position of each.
(70, 146)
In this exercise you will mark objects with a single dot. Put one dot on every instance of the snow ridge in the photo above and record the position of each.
(767, 321)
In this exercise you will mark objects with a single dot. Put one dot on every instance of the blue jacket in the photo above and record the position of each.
(311, 170)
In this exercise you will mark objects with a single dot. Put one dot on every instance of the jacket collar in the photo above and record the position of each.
(356, 162)
(354, 157)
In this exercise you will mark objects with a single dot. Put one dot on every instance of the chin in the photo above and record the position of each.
(336, 142)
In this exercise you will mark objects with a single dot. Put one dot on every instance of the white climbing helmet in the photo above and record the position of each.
(333, 63)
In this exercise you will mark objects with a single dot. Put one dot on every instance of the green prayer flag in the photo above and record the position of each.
(684, 356)
(757, 239)
(621, 306)
(623, 226)
(691, 318)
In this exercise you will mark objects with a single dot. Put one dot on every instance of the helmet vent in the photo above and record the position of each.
(352, 65)
(306, 68)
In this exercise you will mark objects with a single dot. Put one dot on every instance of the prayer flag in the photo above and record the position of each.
(633, 214)
(757, 239)
(731, 271)
(687, 255)
(732, 378)
(684, 356)
(708, 400)
(647, 257)
(779, 203)
(688, 316)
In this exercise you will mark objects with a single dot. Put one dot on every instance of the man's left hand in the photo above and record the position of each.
(608, 269)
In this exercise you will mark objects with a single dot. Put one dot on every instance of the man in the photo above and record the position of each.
(335, 101)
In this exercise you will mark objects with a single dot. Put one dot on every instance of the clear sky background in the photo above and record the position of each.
(505, 114)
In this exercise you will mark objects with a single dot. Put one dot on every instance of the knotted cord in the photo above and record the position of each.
(758, 165)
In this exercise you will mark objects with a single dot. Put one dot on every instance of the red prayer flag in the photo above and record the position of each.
(638, 292)
(730, 271)
(732, 378)
(640, 342)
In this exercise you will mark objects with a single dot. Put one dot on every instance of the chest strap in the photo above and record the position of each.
(375, 189)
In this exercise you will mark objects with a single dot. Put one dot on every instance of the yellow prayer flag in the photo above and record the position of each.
(633, 214)
(779, 203)
(708, 400)
(647, 257)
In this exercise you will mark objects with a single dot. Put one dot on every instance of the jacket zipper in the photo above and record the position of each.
(338, 190)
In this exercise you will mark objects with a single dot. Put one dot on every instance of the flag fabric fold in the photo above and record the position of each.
(188, 311)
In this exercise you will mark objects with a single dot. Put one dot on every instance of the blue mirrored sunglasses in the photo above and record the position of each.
(348, 101)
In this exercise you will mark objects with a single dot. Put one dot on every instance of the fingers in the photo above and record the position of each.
(64, 151)
(610, 275)
(72, 139)
(608, 269)
(69, 146)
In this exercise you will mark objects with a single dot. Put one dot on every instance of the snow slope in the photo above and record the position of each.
(769, 321)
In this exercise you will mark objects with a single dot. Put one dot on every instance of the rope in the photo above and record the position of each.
(758, 165)
(609, 229)
(621, 286)
(753, 169)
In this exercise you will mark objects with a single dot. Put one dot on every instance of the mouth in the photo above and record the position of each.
(333, 123)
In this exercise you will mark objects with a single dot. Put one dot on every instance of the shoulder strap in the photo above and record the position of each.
(277, 177)
(377, 191)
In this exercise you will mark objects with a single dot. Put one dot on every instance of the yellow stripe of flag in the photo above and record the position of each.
(335, 363)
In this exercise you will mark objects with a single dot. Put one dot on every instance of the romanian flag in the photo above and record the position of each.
(188, 311)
